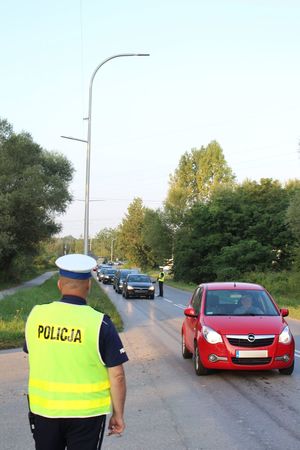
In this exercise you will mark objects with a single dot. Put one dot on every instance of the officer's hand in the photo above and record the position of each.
(116, 425)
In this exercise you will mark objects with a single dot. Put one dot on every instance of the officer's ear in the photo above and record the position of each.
(59, 284)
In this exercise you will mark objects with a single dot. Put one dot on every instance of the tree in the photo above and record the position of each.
(33, 189)
(130, 234)
(51, 249)
(293, 222)
(238, 230)
(156, 236)
(103, 242)
(199, 174)
(196, 243)
(293, 216)
(6, 130)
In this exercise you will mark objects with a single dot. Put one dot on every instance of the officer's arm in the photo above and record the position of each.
(118, 394)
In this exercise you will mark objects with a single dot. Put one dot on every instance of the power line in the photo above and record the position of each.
(117, 200)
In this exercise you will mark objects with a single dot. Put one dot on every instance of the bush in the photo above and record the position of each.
(228, 274)
(284, 286)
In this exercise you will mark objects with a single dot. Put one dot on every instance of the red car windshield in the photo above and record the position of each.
(239, 303)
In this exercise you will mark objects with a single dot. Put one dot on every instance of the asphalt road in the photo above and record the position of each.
(168, 406)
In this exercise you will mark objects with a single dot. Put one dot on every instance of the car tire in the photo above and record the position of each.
(287, 370)
(198, 366)
(151, 297)
(126, 295)
(185, 353)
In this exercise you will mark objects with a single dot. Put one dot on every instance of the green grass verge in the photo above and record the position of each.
(14, 310)
(180, 285)
(283, 286)
(32, 273)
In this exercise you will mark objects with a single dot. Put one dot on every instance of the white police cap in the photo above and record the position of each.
(76, 266)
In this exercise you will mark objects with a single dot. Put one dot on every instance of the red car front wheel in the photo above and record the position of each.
(287, 370)
(199, 368)
(185, 352)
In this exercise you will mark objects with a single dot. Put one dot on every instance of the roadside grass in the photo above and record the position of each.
(15, 308)
(180, 284)
(29, 275)
(283, 286)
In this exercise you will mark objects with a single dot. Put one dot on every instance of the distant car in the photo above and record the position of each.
(236, 326)
(108, 276)
(100, 272)
(120, 276)
(138, 285)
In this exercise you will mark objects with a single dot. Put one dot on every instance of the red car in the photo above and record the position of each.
(236, 326)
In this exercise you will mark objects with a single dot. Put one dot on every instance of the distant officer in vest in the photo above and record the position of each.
(161, 279)
(76, 358)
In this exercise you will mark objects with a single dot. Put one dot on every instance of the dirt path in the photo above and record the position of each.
(35, 282)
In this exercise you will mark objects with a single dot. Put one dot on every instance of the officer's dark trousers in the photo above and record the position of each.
(73, 434)
(161, 288)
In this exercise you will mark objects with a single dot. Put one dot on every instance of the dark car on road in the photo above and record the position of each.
(138, 285)
(108, 276)
(120, 277)
(101, 270)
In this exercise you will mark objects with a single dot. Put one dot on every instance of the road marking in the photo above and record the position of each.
(175, 304)
(179, 306)
(297, 353)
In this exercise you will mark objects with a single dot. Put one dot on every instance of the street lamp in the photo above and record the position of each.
(88, 150)
(112, 249)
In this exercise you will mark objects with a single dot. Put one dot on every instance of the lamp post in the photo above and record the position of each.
(112, 249)
(88, 150)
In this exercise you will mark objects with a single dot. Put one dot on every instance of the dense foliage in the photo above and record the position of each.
(213, 227)
(239, 230)
(105, 244)
(130, 233)
(33, 188)
(200, 172)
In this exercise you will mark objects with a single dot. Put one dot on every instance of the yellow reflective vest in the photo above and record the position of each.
(67, 377)
(161, 277)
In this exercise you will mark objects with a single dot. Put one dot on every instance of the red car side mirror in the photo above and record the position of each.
(190, 312)
(284, 312)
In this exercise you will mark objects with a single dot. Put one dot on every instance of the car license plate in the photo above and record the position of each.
(251, 353)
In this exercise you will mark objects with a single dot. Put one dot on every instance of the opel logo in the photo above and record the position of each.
(251, 337)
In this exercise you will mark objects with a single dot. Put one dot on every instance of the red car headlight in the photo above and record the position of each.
(285, 336)
(211, 335)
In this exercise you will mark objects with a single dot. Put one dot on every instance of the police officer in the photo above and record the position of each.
(76, 358)
(161, 279)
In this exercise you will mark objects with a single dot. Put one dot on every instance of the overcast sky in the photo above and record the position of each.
(227, 70)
